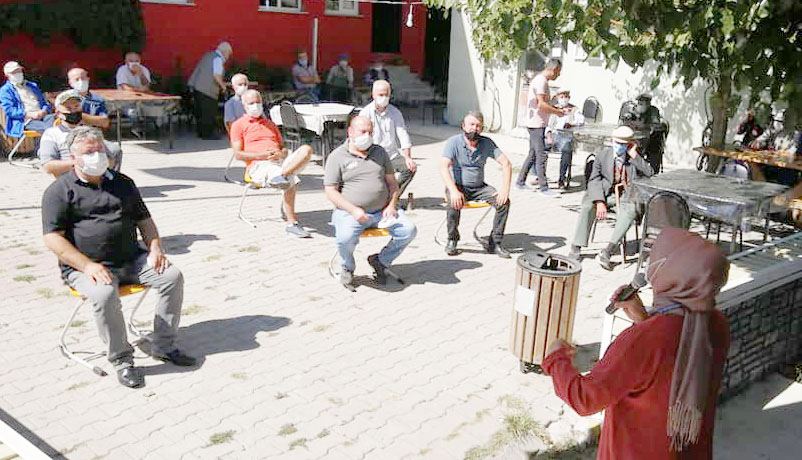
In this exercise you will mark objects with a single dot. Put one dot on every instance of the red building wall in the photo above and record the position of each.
(182, 33)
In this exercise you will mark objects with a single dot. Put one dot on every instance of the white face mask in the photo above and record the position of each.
(778, 125)
(16, 78)
(562, 102)
(255, 110)
(343, 64)
(239, 89)
(131, 65)
(363, 142)
(382, 101)
(303, 62)
(81, 86)
(95, 164)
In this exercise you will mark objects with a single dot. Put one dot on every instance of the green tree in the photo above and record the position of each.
(737, 46)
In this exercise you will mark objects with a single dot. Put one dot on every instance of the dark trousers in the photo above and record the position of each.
(205, 115)
(482, 193)
(537, 156)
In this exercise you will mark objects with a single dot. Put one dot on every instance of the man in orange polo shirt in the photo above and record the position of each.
(257, 141)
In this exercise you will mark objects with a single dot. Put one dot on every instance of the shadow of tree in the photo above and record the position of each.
(308, 181)
(219, 336)
(158, 191)
(427, 271)
(179, 244)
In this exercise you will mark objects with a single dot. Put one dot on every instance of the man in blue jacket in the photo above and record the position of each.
(24, 104)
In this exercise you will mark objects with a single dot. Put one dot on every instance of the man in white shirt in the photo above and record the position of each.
(538, 110)
(390, 132)
(133, 76)
(559, 136)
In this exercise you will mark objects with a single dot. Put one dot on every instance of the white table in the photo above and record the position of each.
(315, 116)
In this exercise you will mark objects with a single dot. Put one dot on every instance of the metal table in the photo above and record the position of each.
(722, 198)
(117, 96)
(596, 135)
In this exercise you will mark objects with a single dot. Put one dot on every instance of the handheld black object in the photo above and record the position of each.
(631, 289)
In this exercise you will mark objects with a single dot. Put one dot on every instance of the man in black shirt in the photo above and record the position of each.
(90, 216)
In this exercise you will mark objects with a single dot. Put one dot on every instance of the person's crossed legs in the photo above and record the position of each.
(284, 175)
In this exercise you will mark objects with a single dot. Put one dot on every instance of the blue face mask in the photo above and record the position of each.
(619, 149)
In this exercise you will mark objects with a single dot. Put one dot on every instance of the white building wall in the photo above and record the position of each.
(494, 91)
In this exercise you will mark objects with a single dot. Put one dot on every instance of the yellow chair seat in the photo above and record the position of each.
(375, 232)
(475, 204)
(28, 133)
(247, 177)
(125, 289)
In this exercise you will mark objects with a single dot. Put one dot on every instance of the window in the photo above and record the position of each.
(170, 2)
(344, 7)
(290, 6)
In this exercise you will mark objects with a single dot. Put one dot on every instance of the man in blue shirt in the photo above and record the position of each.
(93, 106)
(462, 168)
(233, 109)
(24, 104)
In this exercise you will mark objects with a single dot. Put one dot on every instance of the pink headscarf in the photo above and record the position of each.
(688, 270)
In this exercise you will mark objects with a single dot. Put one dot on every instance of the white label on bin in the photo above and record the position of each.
(524, 301)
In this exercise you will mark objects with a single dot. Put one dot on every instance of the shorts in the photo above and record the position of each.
(262, 170)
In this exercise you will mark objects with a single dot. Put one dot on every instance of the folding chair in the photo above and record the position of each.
(664, 209)
(124, 290)
(591, 110)
(739, 170)
(467, 205)
(618, 190)
(248, 184)
(28, 135)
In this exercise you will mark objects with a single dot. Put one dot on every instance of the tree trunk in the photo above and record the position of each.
(719, 104)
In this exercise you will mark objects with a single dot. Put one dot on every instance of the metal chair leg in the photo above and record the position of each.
(73, 355)
(131, 326)
(479, 222)
(241, 202)
(14, 152)
(437, 232)
(334, 274)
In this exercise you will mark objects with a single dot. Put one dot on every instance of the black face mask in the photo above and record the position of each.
(73, 118)
(472, 136)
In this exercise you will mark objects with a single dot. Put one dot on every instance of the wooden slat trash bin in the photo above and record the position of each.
(544, 305)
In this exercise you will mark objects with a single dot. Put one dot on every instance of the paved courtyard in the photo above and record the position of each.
(291, 364)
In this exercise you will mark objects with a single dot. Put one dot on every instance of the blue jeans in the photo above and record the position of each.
(565, 145)
(347, 231)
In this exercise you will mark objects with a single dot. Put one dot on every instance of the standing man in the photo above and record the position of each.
(611, 177)
(234, 109)
(360, 181)
(90, 217)
(304, 77)
(24, 104)
(538, 110)
(389, 130)
(257, 141)
(93, 106)
(207, 83)
(341, 80)
(463, 171)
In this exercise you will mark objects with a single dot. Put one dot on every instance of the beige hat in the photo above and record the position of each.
(623, 134)
(11, 66)
(65, 96)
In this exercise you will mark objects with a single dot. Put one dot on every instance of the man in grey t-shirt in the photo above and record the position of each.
(360, 181)
(462, 168)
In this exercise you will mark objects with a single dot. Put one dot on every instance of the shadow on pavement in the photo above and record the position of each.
(308, 181)
(179, 244)
(158, 191)
(426, 271)
(317, 222)
(520, 242)
(219, 336)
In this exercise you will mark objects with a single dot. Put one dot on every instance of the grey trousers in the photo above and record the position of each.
(624, 218)
(169, 287)
(404, 174)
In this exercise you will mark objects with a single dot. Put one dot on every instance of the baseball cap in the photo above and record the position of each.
(11, 66)
(623, 134)
(65, 96)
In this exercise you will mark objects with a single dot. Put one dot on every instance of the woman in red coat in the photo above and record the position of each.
(659, 380)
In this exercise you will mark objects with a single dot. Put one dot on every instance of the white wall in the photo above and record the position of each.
(493, 91)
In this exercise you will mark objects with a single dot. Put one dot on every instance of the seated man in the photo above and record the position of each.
(90, 216)
(360, 181)
(257, 141)
(305, 78)
(54, 153)
(24, 104)
(561, 140)
(341, 80)
(376, 72)
(389, 130)
(92, 105)
(133, 76)
(233, 108)
(775, 137)
(462, 168)
(615, 167)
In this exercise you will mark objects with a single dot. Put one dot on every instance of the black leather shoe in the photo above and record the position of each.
(131, 377)
(380, 276)
(451, 248)
(177, 357)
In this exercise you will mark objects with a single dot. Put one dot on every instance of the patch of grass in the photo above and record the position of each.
(72, 449)
(25, 278)
(239, 376)
(231, 297)
(314, 298)
(221, 438)
(304, 323)
(281, 395)
(323, 433)
(75, 386)
(77, 323)
(272, 334)
(264, 270)
(287, 429)
(193, 309)
(585, 451)
(300, 442)
(335, 400)
(213, 257)
(321, 327)
(517, 426)
(32, 252)
(24, 266)
(250, 248)
(478, 418)
(424, 451)
(47, 293)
